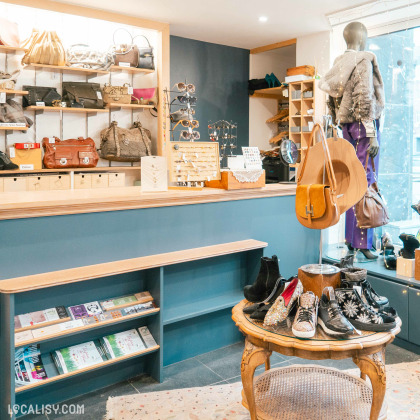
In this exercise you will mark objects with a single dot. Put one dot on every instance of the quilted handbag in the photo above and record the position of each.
(371, 211)
(145, 96)
(83, 95)
(116, 94)
(44, 48)
(125, 145)
(40, 94)
(82, 56)
(316, 204)
(73, 153)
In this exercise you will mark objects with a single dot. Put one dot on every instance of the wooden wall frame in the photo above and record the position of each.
(163, 71)
(274, 46)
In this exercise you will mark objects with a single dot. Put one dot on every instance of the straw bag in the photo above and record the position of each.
(44, 48)
(117, 94)
(316, 204)
(371, 211)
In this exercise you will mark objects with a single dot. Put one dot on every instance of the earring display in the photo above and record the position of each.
(154, 174)
(226, 134)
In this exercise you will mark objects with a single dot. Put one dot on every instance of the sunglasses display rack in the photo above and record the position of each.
(225, 133)
(191, 164)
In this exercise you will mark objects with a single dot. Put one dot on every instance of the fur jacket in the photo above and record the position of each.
(355, 88)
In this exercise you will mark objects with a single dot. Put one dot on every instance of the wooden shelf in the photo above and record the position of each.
(131, 70)
(14, 92)
(270, 93)
(13, 129)
(5, 49)
(86, 327)
(65, 69)
(68, 170)
(87, 369)
(114, 105)
(202, 307)
(64, 109)
(73, 275)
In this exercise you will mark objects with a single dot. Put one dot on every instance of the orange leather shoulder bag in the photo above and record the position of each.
(316, 204)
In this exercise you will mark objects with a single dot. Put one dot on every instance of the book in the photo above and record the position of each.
(31, 319)
(122, 344)
(137, 308)
(70, 359)
(106, 316)
(56, 328)
(85, 310)
(128, 300)
(147, 337)
(29, 367)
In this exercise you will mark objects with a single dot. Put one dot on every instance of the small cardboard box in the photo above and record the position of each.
(37, 183)
(59, 182)
(405, 267)
(13, 183)
(82, 181)
(26, 159)
(116, 179)
(100, 180)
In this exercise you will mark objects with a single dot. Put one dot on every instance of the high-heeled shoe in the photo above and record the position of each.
(276, 82)
(269, 81)
(284, 303)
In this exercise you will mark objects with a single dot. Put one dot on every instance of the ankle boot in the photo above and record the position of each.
(410, 245)
(266, 280)
(6, 163)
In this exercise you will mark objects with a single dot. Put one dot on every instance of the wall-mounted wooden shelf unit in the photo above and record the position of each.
(6, 49)
(271, 93)
(14, 92)
(13, 128)
(64, 109)
(134, 70)
(65, 69)
(115, 105)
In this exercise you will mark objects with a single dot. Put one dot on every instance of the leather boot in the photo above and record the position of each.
(266, 280)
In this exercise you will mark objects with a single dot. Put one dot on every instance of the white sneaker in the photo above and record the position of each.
(304, 325)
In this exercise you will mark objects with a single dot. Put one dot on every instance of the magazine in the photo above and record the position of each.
(85, 310)
(128, 300)
(137, 308)
(122, 344)
(77, 357)
(40, 317)
(28, 365)
(147, 337)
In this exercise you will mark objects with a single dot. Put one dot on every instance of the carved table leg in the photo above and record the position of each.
(374, 367)
(252, 357)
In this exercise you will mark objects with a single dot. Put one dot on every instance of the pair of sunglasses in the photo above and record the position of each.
(188, 110)
(186, 135)
(187, 123)
(183, 87)
(192, 100)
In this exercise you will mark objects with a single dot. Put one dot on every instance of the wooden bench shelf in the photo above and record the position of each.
(64, 109)
(96, 169)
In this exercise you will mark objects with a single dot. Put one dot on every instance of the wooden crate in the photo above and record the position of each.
(59, 182)
(13, 184)
(305, 70)
(116, 179)
(229, 182)
(82, 181)
(37, 183)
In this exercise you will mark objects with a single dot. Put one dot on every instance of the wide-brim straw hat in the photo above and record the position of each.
(349, 172)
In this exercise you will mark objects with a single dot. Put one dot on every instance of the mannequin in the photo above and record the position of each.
(356, 101)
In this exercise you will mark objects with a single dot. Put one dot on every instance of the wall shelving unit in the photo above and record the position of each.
(179, 283)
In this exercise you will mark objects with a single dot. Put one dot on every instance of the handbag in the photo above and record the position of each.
(125, 145)
(145, 96)
(9, 33)
(316, 204)
(82, 56)
(371, 211)
(7, 80)
(116, 94)
(127, 54)
(40, 94)
(12, 112)
(146, 57)
(73, 153)
(83, 95)
(45, 48)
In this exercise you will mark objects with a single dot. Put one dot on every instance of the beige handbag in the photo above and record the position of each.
(117, 94)
(44, 48)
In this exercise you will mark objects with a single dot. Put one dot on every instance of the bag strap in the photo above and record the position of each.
(327, 158)
(148, 43)
(122, 29)
(374, 184)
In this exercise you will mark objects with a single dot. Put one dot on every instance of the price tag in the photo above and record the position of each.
(12, 153)
(99, 94)
(124, 64)
(40, 103)
(51, 139)
(2, 97)
(130, 90)
(26, 167)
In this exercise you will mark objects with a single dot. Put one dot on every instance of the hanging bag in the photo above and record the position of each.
(316, 204)
(371, 211)
(45, 48)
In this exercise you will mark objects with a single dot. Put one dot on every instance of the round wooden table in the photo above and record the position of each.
(366, 350)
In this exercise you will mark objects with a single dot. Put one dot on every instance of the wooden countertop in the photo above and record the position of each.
(18, 205)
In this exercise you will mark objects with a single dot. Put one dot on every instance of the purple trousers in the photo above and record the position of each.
(355, 133)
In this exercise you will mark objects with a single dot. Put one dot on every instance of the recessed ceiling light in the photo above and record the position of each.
(263, 18)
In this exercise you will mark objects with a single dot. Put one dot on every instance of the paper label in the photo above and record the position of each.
(51, 139)
(130, 90)
(99, 94)
(124, 64)
(2, 97)
(26, 167)
(40, 103)
(12, 153)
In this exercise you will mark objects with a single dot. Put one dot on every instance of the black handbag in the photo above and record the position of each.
(83, 95)
(146, 57)
(40, 94)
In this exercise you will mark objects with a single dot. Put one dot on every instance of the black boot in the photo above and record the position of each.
(410, 245)
(266, 280)
(6, 163)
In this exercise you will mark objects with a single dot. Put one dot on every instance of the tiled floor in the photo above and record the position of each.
(217, 367)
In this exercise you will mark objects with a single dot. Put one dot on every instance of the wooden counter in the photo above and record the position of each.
(18, 205)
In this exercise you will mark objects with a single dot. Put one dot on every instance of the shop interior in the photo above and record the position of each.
(209, 210)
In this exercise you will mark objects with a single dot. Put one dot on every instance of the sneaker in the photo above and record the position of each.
(330, 318)
(360, 314)
(284, 303)
(304, 325)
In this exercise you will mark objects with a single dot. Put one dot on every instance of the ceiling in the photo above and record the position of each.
(231, 22)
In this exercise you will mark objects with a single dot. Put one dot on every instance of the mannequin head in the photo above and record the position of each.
(355, 35)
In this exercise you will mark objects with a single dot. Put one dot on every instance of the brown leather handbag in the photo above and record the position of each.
(316, 204)
(73, 153)
(371, 211)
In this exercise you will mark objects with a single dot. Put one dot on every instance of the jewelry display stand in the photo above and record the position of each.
(226, 133)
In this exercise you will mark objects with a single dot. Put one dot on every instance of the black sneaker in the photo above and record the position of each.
(330, 318)
(360, 314)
